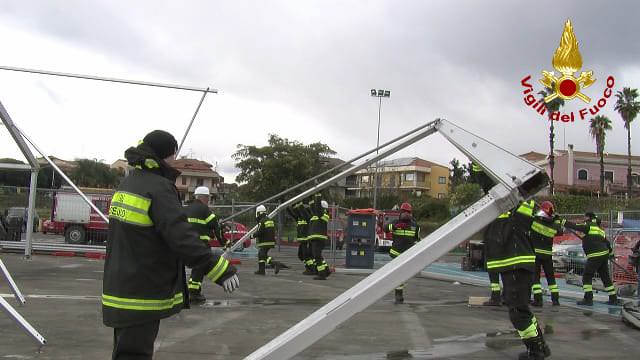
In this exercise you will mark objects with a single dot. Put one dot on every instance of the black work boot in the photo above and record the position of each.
(196, 297)
(613, 300)
(495, 299)
(555, 299)
(587, 301)
(260, 270)
(537, 300)
(320, 276)
(276, 267)
(537, 349)
(399, 296)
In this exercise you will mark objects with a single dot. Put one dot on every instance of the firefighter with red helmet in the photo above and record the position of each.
(406, 232)
(545, 226)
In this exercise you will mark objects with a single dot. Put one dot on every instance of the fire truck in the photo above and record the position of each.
(73, 217)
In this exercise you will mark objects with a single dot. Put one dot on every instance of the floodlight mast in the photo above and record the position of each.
(516, 179)
(426, 131)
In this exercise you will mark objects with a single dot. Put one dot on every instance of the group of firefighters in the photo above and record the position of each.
(152, 238)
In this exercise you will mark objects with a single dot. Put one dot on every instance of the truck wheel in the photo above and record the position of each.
(75, 234)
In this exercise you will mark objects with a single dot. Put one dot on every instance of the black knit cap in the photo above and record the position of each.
(161, 142)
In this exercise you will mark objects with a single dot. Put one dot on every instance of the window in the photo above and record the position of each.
(364, 179)
(635, 179)
(421, 177)
(441, 180)
(102, 205)
(409, 176)
(608, 176)
(199, 182)
(184, 180)
(583, 174)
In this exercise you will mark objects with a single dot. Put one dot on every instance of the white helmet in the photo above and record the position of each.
(260, 210)
(325, 205)
(201, 190)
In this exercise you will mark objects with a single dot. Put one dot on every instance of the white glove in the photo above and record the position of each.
(231, 284)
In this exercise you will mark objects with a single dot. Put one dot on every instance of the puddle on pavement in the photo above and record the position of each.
(261, 302)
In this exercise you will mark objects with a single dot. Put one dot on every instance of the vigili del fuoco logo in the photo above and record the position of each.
(566, 86)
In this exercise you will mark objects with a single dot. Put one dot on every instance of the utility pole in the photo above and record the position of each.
(380, 93)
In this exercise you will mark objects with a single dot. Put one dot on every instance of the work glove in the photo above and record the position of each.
(228, 244)
(231, 284)
(402, 225)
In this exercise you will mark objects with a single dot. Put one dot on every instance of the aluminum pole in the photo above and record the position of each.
(408, 133)
(53, 165)
(12, 284)
(375, 176)
(23, 323)
(30, 218)
(184, 137)
(102, 78)
(416, 137)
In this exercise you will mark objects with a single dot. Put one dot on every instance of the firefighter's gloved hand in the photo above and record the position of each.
(231, 284)
(401, 225)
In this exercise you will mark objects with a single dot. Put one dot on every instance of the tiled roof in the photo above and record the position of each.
(408, 161)
(192, 165)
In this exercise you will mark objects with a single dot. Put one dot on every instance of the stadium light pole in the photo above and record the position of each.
(380, 93)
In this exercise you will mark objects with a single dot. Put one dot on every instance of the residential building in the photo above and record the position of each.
(194, 173)
(413, 176)
(122, 166)
(580, 170)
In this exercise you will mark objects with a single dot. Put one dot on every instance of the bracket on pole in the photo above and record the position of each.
(517, 179)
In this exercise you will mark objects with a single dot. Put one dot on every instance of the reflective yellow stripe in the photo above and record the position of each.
(526, 208)
(495, 287)
(404, 232)
(302, 222)
(531, 331)
(542, 251)
(393, 252)
(596, 254)
(554, 288)
(151, 164)
(141, 304)
(219, 269)
(266, 243)
(196, 221)
(543, 230)
(205, 237)
(594, 230)
(317, 237)
(390, 227)
(504, 215)
(325, 217)
(511, 261)
(195, 285)
(322, 266)
(476, 168)
(610, 289)
(587, 288)
(210, 218)
(130, 208)
(269, 224)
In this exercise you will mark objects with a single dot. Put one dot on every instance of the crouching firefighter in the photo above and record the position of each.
(544, 228)
(205, 223)
(318, 235)
(149, 242)
(598, 250)
(406, 233)
(513, 257)
(300, 213)
(265, 240)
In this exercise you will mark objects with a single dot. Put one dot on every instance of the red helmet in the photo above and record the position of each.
(406, 207)
(547, 207)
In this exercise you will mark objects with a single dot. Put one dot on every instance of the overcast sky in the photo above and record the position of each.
(303, 70)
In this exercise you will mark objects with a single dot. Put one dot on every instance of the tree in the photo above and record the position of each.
(552, 106)
(283, 163)
(458, 174)
(93, 173)
(597, 128)
(465, 195)
(628, 107)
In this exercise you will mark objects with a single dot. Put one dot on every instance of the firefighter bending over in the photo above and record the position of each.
(405, 232)
(149, 243)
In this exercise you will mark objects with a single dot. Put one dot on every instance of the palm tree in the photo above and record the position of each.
(628, 107)
(552, 106)
(597, 128)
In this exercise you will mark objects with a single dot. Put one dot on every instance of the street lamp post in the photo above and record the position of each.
(380, 93)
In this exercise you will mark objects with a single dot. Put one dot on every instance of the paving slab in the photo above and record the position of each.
(63, 295)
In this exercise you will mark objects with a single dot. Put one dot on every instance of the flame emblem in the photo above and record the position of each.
(567, 60)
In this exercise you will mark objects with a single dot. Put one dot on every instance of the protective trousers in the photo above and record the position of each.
(545, 263)
(316, 252)
(135, 342)
(494, 280)
(263, 255)
(517, 290)
(304, 254)
(600, 265)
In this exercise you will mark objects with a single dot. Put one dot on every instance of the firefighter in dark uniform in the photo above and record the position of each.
(544, 228)
(495, 237)
(300, 213)
(149, 243)
(205, 223)
(265, 240)
(513, 257)
(598, 250)
(405, 232)
(318, 235)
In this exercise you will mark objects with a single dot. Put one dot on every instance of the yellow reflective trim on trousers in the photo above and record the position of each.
(205, 237)
(322, 266)
(511, 261)
(269, 224)
(531, 331)
(317, 237)
(542, 251)
(543, 230)
(394, 252)
(595, 230)
(587, 288)
(141, 304)
(219, 269)
(266, 243)
(194, 285)
(130, 208)
(325, 217)
(495, 287)
(596, 254)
